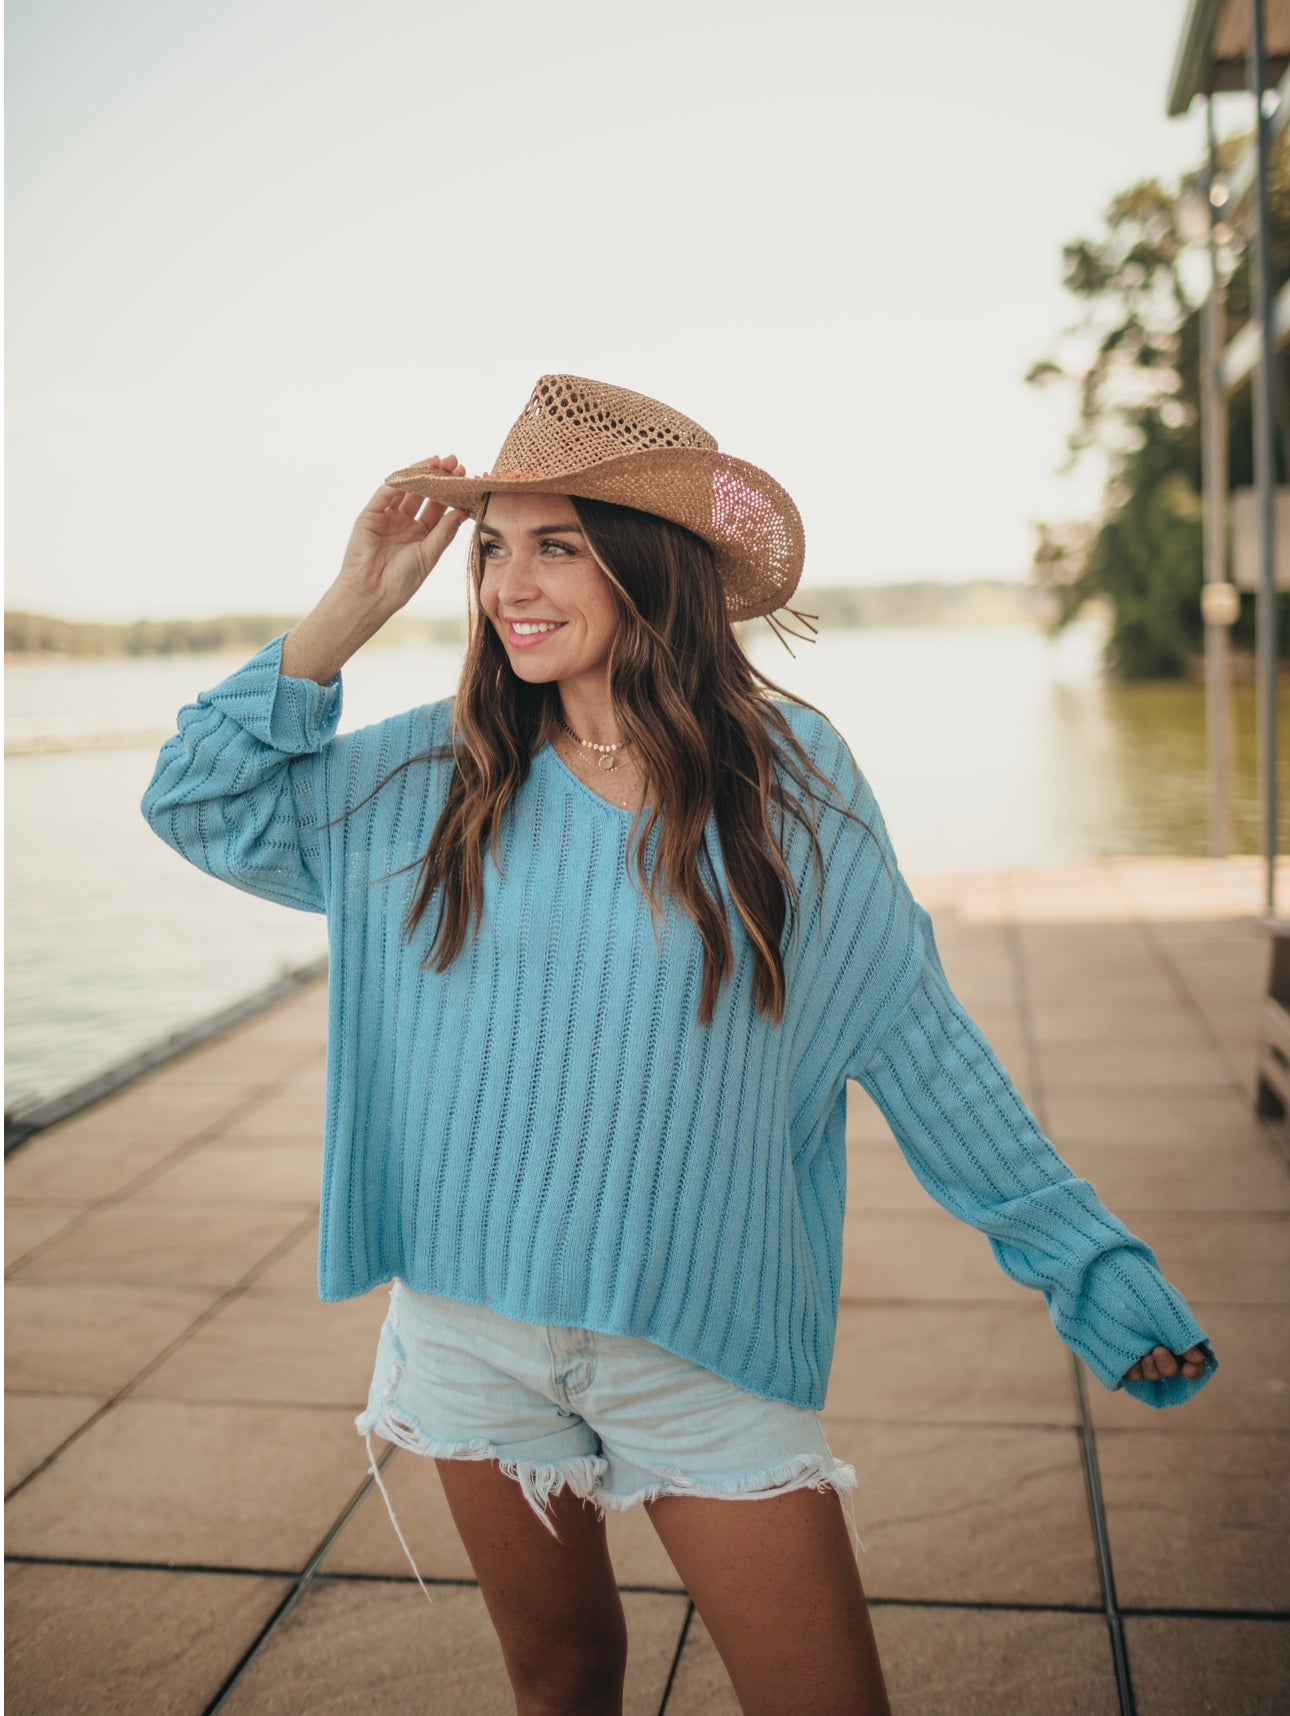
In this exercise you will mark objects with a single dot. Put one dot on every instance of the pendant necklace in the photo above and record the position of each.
(606, 759)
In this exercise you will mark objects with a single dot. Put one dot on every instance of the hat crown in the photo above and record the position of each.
(571, 422)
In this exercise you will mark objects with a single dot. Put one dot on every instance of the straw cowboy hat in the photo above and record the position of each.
(586, 438)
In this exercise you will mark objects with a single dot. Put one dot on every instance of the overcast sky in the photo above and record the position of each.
(261, 254)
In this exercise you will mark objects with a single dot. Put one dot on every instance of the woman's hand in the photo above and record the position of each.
(391, 552)
(390, 555)
(1160, 1363)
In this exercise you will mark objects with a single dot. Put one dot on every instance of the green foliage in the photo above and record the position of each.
(1136, 377)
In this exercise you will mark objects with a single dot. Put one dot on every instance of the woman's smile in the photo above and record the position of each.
(522, 634)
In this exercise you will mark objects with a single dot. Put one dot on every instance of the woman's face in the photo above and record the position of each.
(538, 571)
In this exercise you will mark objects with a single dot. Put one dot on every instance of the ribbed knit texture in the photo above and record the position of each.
(546, 1128)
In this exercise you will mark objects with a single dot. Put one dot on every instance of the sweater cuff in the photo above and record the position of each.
(294, 716)
(1135, 1308)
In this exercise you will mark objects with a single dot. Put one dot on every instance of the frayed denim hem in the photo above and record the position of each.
(804, 1471)
(539, 1482)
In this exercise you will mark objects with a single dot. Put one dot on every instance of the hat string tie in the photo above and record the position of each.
(779, 628)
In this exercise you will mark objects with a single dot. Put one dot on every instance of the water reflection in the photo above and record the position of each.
(993, 746)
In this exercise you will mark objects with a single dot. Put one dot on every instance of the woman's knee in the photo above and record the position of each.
(574, 1676)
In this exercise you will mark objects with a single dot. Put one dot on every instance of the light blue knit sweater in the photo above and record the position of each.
(547, 1129)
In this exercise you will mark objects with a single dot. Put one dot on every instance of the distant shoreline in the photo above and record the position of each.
(839, 607)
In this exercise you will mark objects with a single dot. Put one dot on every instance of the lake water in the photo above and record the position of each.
(987, 747)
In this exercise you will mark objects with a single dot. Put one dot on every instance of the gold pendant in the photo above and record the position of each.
(606, 760)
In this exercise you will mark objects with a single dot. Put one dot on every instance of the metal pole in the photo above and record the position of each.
(1264, 466)
(1219, 600)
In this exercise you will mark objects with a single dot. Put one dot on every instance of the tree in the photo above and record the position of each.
(1137, 373)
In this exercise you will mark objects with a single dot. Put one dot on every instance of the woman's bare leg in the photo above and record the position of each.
(555, 1606)
(778, 1588)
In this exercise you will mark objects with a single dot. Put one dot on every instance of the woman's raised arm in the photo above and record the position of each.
(390, 554)
(240, 791)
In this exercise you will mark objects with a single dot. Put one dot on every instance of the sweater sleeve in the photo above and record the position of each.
(975, 1145)
(240, 790)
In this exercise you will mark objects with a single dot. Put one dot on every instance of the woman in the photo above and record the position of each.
(587, 1115)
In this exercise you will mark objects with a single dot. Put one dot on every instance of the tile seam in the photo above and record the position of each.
(1085, 1430)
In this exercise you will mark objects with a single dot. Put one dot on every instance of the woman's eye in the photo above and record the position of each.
(562, 546)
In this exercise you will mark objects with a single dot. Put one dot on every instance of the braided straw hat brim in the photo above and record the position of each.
(744, 513)
(599, 442)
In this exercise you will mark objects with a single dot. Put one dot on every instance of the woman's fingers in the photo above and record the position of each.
(451, 466)
(446, 527)
(1160, 1363)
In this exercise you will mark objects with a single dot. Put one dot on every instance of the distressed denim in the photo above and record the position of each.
(614, 1418)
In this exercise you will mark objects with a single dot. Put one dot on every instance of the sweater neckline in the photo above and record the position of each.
(618, 810)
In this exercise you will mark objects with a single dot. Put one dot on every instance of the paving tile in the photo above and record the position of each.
(1118, 1065)
(984, 975)
(274, 1346)
(1241, 1020)
(144, 1242)
(248, 1059)
(28, 1225)
(866, 1123)
(1088, 952)
(69, 1338)
(1251, 1390)
(371, 1648)
(310, 1077)
(701, 1686)
(998, 1364)
(97, 1641)
(926, 1256)
(1168, 1118)
(297, 1268)
(1231, 967)
(970, 1513)
(1138, 988)
(880, 1178)
(1189, 1177)
(1212, 925)
(254, 1487)
(146, 1110)
(76, 1169)
(958, 1662)
(1234, 1259)
(1077, 918)
(291, 1115)
(36, 1424)
(948, 1662)
(1198, 1522)
(1238, 1029)
(1191, 1667)
(368, 1543)
(1076, 1020)
(234, 1173)
(1245, 1074)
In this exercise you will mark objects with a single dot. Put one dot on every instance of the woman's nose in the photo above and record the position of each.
(518, 575)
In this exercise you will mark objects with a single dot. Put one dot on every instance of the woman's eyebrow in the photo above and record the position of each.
(538, 530)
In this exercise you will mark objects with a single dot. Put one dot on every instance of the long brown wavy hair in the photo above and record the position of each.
(700, 717)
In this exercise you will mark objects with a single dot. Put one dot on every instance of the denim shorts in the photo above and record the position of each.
(614, 1418)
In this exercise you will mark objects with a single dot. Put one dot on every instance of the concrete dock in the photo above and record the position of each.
(191, 1526)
